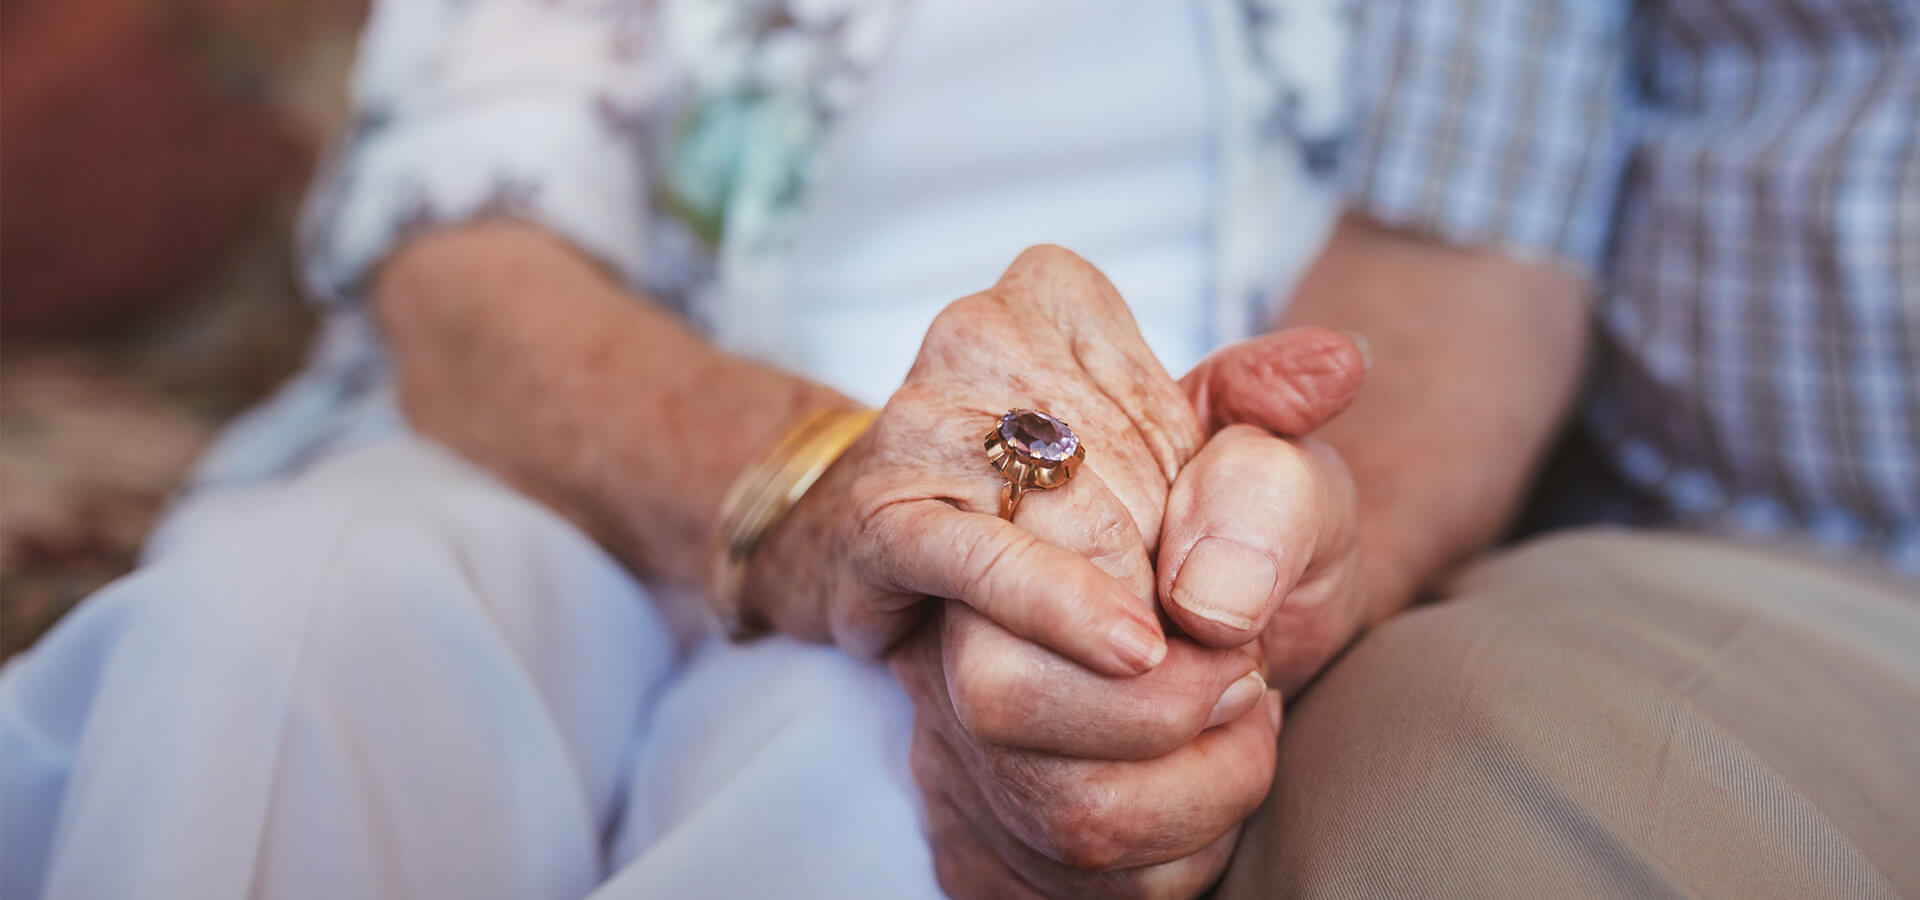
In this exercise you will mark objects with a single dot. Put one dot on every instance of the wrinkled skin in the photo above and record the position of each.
(900, 516)
(1054, 762)
(1042, 779)
(1265, 486)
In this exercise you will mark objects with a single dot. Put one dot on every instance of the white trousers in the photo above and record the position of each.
(392, 676)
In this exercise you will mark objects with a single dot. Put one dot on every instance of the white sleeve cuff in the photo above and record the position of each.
(562, 164)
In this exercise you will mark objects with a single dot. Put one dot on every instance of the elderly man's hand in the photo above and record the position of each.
(1261, 537)
(1262, 540)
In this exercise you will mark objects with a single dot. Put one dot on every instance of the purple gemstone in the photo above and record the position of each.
(1036, 434)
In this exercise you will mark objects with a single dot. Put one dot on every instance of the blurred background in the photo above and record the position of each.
(152, 154)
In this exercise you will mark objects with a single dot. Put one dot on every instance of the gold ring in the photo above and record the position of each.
(1033, 451)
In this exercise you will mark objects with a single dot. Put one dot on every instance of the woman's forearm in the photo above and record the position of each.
(1476, 357)
(518, 352)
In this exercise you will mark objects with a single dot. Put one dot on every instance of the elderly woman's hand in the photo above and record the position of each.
(1043, 778)
(910, 511)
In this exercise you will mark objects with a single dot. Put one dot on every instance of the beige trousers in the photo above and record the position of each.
(1604, 714)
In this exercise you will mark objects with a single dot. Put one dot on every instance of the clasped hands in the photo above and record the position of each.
(1098, 695)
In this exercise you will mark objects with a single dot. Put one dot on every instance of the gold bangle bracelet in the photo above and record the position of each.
(764, 493)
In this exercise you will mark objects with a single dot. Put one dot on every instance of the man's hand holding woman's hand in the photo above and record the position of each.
(1066, 744)
(1262, 533)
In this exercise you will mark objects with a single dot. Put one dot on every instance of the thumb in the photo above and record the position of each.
(1245, 522)
(1288, 382)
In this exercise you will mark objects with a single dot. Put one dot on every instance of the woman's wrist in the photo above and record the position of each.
(521, 354)
(762, 495)
(715, 428)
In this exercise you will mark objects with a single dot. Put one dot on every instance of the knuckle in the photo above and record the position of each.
(1262, 468)
(1092, 523)
(1080, 830)
(1092, 848)
(1249, 451)
(1047, 256)
(961, 319)
(1168, 725)
(1056, 279)
(961, 335)
(1110, 529)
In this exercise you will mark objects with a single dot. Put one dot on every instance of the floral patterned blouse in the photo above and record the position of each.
(676, 141)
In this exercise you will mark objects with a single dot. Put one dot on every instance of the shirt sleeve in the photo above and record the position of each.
(478, 108)
(1494, 122)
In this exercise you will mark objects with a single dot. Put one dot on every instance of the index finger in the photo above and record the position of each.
(1011, 693)
(1048, 595)
(1101, 815)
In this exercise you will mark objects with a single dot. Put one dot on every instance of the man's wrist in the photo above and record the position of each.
(1391, 576)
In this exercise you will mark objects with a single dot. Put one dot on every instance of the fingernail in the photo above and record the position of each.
(1140, 647)
(1366, 348)
(1273, 709)
(1225, 581)
(1239, 697)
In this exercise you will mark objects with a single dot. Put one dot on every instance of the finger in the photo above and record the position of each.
(1083, 814)
(1086, 518)
(964, 859)
(1189, 875)
(974, 855)
(1146, 395)
(1040, 592)
(915, 661)
(1013, 693)
(1287, 382)
(1109, 348)
(1244, 522)
(1111, 815)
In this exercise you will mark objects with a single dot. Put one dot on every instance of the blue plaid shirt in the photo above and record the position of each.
(1741, 178)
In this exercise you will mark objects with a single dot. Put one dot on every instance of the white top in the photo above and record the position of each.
(810, 188)
(975, 139)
